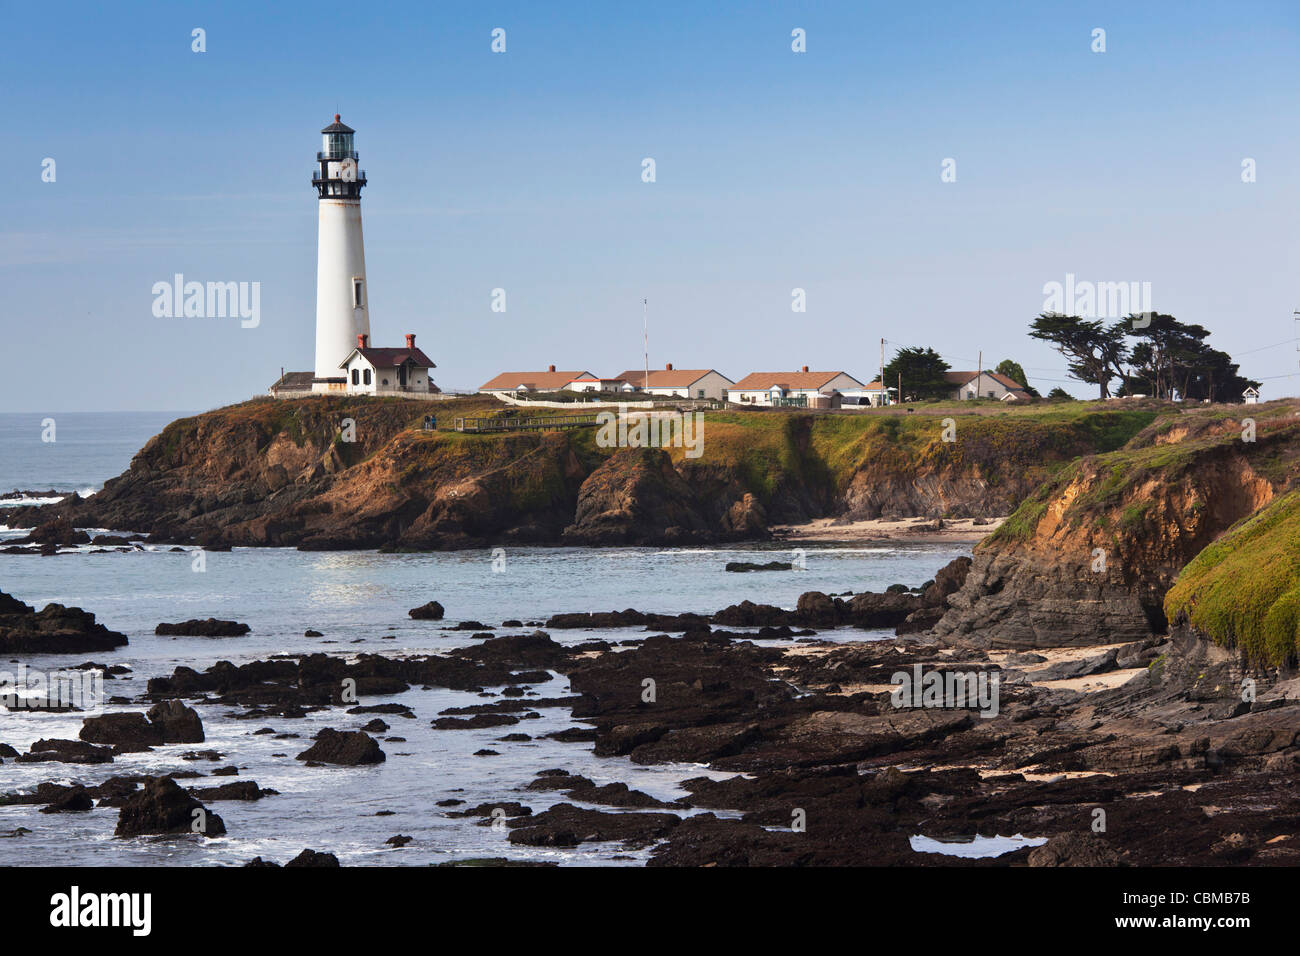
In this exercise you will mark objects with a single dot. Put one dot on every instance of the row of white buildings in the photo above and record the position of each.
(774, 389)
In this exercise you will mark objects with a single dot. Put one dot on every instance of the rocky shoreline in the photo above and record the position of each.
(826, 769)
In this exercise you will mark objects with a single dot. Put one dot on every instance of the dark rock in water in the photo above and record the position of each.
(500, 809)
(602, 619)
(751, 566)
(345, 748)
(314, 858)
(58, 531)
(398, 841)
(310, 633)
(524, 650)
(258, 861)
(75, 800)
(196, 628)
(819, 610)
(497, 861)
(54, 630)
(474, 723)
(559, 780)
(485, 752)
(110, 540)
(399, 710)
(883, 610)
(432, 611)
(179, 723)
(66, 751)
(1075, 849)
(617, 795)
(470, 626)
(240, 790)
(375, 726)
(512, 623)
(162, 807)
(167, 722)
(749, 614)
(567, 825)
(7, 751)
(574, 735)
(126, 732)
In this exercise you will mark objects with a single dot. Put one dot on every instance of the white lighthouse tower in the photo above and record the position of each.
(341, 294)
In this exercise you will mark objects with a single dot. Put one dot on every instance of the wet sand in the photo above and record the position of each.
(914, 530)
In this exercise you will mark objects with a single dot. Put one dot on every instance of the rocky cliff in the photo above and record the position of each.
(1089, 556)
(1243, 591)
(326, 473)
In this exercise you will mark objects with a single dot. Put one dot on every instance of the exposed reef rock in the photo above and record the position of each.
(54, 630)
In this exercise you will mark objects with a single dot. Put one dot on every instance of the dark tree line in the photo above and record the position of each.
(1151, 354)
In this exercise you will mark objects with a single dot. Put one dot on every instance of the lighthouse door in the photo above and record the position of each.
(401, 376)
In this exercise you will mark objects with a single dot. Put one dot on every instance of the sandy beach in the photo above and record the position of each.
(917, 530)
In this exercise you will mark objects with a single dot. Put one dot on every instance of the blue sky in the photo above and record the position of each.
(522, 171)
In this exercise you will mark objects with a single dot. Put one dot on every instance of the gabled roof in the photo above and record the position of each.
(391, 358)
(756, 381)
(543, 381)
(667, 377)
(961, 378)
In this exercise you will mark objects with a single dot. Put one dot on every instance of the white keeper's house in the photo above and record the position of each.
(386, 371)
(672, 382)
(801, 388)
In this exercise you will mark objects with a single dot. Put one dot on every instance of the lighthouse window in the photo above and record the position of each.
(367, 374)
(356, 377)
(356, 293)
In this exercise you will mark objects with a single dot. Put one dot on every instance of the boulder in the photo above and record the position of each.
(212, 627)
(163, 807)
(314, 858)
(432, 611)
(178, 723)
(54, 630)
(344, 748)
(125, 732)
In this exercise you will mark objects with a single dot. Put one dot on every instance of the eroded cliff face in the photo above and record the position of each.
(1090, 555)
(285, 473)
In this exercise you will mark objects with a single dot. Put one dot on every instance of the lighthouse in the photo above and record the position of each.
(342, 312)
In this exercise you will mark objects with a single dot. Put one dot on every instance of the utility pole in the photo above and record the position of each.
(979, 376)
(645, 340)
(884, 392)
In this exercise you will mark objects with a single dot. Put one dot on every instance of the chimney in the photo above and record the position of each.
(410, 340)
(804, 369)
(668, 367)
(550, 368)
(361, 340)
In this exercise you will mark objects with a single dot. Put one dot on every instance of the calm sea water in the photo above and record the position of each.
(88, 447)
(357, 600)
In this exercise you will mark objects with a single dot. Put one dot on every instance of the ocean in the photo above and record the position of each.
(357, 600)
